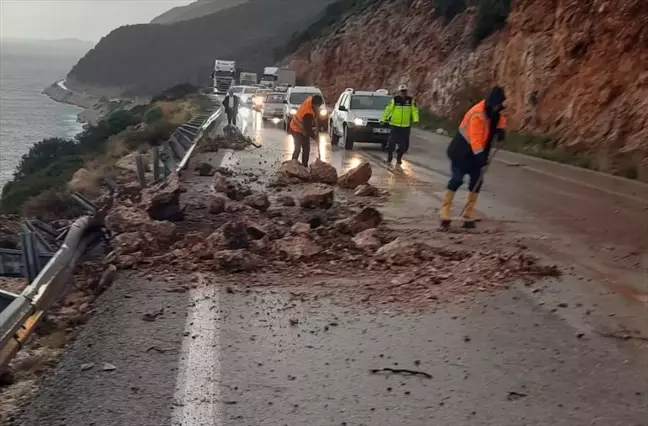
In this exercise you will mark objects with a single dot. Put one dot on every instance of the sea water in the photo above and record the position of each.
(26, 115)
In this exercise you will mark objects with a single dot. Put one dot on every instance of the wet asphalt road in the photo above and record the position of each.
(220, 358)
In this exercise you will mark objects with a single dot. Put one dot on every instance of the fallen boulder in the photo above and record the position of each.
(255, 230)
(356, 176)
(128, 242)
(367, 239)
(300, 228)
(297, 247)
(234, 190)
(235, 235)
(218, 204)
(316, 196)
(294, 169)
(366, 218)
(323, 172)
(286, 201)
(162, 201)
(123, 219)
(257, 200)
(400, 252)
(366, 190)
(237, 260)
(205, 169)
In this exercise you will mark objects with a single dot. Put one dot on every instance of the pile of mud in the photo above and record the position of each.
(232, 138)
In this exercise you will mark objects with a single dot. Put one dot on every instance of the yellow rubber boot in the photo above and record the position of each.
(469, 210)
(446, 206)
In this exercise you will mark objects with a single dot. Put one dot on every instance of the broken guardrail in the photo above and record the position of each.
(21, 313)
(48, 268)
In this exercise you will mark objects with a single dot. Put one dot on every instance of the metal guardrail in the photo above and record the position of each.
(19, 314)
(177, 151)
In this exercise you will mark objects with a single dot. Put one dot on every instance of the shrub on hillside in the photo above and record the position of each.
(94, 138)
(153, 115)
(448, 9)
(44, 153)
(53, 176)
(491, 16)
(153, 135)
(52, 204)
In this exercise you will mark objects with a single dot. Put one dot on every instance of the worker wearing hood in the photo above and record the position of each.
(468, 152)
(302, 127)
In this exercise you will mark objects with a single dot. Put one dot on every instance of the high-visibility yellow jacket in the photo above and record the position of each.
(401, 112)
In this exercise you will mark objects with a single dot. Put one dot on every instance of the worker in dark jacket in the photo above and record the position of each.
(468, 152)
(303, 127)
(400, 114)
(231, 104)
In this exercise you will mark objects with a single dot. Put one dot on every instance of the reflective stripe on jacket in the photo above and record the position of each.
(297, 122)
(401, 112)
(475, 127)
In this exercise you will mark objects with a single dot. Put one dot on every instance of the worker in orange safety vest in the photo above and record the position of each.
(302, 127)
(468, 152)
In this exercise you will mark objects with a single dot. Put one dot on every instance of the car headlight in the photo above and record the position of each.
(359, 122)
(293, 111)
(244, 98)
(323, 112)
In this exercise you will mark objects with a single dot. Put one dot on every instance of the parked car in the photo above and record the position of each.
(356, 118)
(273, 107)
(294, 98)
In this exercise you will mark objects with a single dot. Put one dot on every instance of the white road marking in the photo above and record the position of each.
(197, 392)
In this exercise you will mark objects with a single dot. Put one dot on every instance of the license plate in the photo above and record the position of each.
(381, 130)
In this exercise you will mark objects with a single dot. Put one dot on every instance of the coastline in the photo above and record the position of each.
(95, 108)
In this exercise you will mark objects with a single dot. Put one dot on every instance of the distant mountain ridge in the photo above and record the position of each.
(67, 47)
(146, 59)
(194, 10)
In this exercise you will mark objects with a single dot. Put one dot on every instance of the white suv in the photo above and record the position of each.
(295, 96)
(356, 117)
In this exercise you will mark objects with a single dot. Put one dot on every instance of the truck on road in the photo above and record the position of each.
(248, 78)
(273, 76)
(224, 75)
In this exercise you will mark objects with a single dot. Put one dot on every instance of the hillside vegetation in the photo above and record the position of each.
(145, 59)
(40, 181)
(194, 10)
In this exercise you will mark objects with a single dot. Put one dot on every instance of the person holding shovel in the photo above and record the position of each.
(469, 152)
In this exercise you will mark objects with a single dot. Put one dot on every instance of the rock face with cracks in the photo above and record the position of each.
(356, 176)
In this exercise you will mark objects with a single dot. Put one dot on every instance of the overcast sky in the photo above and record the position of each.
(83, 19)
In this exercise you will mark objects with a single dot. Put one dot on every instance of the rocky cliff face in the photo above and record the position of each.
(573, 69)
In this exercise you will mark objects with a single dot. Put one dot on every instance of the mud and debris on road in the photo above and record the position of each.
(308, 271)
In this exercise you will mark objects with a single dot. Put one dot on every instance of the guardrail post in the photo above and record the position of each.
(30, 257)
(157, 170)
(141, 170)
